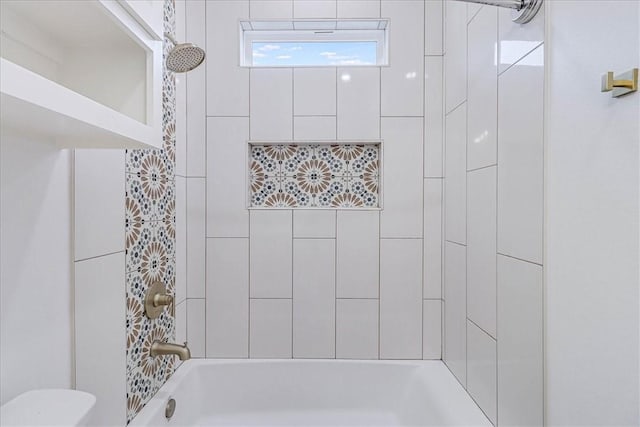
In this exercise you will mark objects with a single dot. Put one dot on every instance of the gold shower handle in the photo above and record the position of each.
(162, 299)
(620, 85)
(156, 299)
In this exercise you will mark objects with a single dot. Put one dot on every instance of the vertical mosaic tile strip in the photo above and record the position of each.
(150, 246)
(314, 176)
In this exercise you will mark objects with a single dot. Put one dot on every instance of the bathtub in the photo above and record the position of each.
(211, 392)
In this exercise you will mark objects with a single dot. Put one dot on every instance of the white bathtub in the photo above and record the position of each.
(312, 393)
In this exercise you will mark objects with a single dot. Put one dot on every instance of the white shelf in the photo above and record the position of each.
(35, 105)
(84, 74)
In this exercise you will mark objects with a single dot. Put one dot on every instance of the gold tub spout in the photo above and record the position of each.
(164, 348)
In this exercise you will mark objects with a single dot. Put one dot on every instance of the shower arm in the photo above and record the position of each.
(524, 10)
(171, 39)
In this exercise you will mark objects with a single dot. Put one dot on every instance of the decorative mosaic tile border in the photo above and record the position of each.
(150, 246)
(311, 175)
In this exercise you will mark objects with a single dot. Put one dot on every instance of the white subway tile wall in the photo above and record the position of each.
(302, 283)
(99, 286)
(455, 183)
(227, 84)
(481, 248)
(271, 106)
(432, 329)
(358, 103)
(305, 9)
(227, 215)
(400, 298)
(455, 60)
(196, 237)
(358, 8)
(196, 79)
(520, 159)
(227, 302)
(315, 128)
(432, 271)
(357, 328)
(98, 190)
(481, 370)
(433, 116)
(358, 252)
(402, 215)
(493, 183)
(181, 237)
(402, 82)
(520, 340)
(270, 328)
(314, 224)
(196, 327)
(455, 310)
(449, 268)
(482, 105)
(270, 251)
(314, 91)
(314, 298)
(433, 27)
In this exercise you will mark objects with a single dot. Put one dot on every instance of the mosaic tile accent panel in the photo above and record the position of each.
(314, 176)
(150, 246)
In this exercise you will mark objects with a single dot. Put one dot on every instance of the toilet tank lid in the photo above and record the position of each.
(47, 407)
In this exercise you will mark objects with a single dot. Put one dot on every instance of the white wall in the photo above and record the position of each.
(493, 181)
(263, 267)
(100, 300)
(35, 265)
(592, 242)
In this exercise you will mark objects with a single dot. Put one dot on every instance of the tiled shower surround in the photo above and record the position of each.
(150, 228)
(314, 176)
(299, 281)
(368, 284)
(493, 256)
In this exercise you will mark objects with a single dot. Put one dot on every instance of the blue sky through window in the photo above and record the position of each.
(314, 53)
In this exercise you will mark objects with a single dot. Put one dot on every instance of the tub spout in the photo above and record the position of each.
(164, 348)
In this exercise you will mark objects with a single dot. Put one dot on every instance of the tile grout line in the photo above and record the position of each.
(481, 328)
(186, 197)
(466, 207)
(335, 281)
(206, 132)
(520, 259)
(482, 167)
(292, 278)
(380, 213)
(424, 150)
(497, 107)
(101, 256)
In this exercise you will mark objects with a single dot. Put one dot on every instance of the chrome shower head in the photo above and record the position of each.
(184, 56)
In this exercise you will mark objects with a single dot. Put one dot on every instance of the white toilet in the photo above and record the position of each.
(48, 407)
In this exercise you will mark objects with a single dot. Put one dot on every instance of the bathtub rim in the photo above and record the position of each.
(158, 401)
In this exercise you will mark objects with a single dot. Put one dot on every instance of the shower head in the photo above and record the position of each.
(184, 56)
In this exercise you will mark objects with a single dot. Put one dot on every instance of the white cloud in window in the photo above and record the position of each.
(269, 47)
(257, 54)
(283, 57)
(328, 54)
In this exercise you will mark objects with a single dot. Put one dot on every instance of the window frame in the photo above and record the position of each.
(292, 35)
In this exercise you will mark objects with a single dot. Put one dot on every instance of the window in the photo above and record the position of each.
(327, 43)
